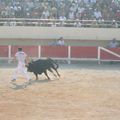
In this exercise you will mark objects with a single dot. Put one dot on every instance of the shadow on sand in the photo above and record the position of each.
(17, 86)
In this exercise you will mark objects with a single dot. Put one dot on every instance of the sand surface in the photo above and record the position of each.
(81, 93)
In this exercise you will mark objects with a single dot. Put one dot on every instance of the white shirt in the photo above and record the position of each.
(113, 44)
(60, 42)
(21, 56)
(97, 14)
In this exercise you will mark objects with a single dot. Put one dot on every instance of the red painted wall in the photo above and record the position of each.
(105, 55)
(54, 51)
(3, 51)
(61, 52)
(83, 52)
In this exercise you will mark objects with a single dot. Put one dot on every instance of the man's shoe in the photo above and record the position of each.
(13, 80)
(29, 81)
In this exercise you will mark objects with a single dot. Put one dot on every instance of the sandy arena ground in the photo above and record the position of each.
(82, 93)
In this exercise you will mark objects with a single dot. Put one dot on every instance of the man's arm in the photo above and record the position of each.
(14, 59)
(27, 60)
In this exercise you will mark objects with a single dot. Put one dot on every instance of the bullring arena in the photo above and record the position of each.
(85, 91)
(89, 86)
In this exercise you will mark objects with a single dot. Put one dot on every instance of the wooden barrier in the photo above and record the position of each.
(54, 51)
(3, 51)
(63, 52)
(83, 52)
(107, 56)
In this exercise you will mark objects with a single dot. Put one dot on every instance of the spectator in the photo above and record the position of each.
(117, 15)
(60, 41)
(77, 23)
(97, 14)
(113, 43)
(60, 9)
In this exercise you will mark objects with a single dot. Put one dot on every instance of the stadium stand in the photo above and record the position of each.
(61, 9)
(77, 12)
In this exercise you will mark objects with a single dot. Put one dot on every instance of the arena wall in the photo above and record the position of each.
(55, 32)
(35, 41)
(20, 35)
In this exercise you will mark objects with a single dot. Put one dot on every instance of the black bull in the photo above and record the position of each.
(41, 66)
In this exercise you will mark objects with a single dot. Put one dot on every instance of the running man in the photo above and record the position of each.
(22, 60)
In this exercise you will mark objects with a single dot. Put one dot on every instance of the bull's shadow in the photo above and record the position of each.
(26, 84)
(39, 81)
(16, 86)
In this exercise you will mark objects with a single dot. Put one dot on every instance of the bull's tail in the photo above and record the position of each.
(54, 62)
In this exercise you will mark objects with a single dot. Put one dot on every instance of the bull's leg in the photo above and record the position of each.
(56, 71)
(36, 76)
(52, 72)
(45, 72)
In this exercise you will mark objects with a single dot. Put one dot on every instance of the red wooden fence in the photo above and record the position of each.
(61, 52)
(54, 51)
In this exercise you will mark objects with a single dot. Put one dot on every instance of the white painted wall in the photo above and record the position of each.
(56, 32)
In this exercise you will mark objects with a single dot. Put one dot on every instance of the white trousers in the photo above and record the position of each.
(21, 69)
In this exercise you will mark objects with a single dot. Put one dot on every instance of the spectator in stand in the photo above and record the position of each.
(60, 41)
(62, 18)
(117, 15)
(113, 44)
(97, 14)
(45, 14)
(77, 23)
(56, 9)
(71, 15)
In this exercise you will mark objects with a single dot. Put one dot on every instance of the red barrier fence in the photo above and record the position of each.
(54, 51)
(3, 51)
(64, 52)
(83, 52)
(105, 55)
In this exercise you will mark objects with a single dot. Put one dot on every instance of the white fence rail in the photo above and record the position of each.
(108, 51)
(59, 23)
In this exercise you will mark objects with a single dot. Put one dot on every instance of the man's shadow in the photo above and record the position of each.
(16, 86)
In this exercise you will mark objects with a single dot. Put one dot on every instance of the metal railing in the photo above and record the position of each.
(59, 23)
(107, 51)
